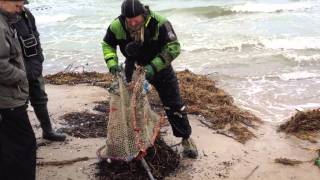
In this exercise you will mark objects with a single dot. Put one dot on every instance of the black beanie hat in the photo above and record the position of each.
(132, 8)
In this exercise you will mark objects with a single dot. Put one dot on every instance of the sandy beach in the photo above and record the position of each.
(220, 157)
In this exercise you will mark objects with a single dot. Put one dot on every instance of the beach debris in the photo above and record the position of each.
(43, 143)
(64, 162)
(222, 169)
(215, 106)
(286, 161)
(317, 161)
(292, 162)
(85, 124)
(102, 106)
(147, 168)
(251, 173)
(161, 159)
(199, 93)
(304, 125)
(73, 78)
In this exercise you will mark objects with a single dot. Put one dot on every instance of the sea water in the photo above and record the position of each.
(265, 53)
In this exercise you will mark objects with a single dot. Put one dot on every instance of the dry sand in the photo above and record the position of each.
(220, 157)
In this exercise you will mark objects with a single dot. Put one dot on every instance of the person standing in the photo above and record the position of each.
(17, 139)
(33, 57)
(147, 39)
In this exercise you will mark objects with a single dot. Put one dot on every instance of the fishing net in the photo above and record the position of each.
(132, 126)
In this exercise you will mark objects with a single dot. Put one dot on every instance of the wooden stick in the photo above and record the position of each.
(64, 162)
(205, 123)
(249, 175)
(218, 132)
(225, 134)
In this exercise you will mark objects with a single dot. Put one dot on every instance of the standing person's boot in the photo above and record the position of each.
(189, 148)
(48, 133)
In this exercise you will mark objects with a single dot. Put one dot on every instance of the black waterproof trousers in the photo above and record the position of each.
(39, 100)
(38, 95)
(17, 145)
(166, 84)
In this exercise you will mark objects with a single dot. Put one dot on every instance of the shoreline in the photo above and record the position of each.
(220, 157)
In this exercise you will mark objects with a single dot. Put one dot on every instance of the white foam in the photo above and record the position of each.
(264, 7)
(292, 43)
(189, 44)
(48, 19)
(302, 58)
(85, 25)
(298, 75)
(303, 107)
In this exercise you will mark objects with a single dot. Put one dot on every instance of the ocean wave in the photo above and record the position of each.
(208, 12)
(86, 25)
(298, 75)
(48, 19)
(270, 8)
(304, 107)
(217, 11)
(232, 46)
(292, 43)
(302, 58)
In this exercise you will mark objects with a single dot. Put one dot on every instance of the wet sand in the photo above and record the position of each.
(220, 157)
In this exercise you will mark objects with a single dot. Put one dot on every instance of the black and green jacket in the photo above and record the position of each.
(159, 49)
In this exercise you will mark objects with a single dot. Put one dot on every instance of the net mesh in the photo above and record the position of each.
(132, 125)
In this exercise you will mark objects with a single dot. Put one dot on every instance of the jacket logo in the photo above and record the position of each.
(171, 36)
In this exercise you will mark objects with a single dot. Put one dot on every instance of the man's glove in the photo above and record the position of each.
(114, 69)
(149, 71)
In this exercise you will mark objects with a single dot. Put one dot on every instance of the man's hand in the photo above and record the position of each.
(114, 69)
(149, 71)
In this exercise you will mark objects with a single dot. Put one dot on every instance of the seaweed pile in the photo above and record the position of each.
(73, 78)
(198, 92)
(85, 125)
(161, 158)
(216, 106)
(304, 125)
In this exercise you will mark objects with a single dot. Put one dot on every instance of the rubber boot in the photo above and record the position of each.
(48, 133)
(189, 148)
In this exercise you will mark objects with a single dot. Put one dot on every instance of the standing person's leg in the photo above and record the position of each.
(168, 89)
(1, 154)
(166, 84)
(17, 145)
(39, 100)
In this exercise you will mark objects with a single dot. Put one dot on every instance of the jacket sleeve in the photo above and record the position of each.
(32, 20)
(35, 30)
(9, 74)
(109, 48)
(170, 47)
